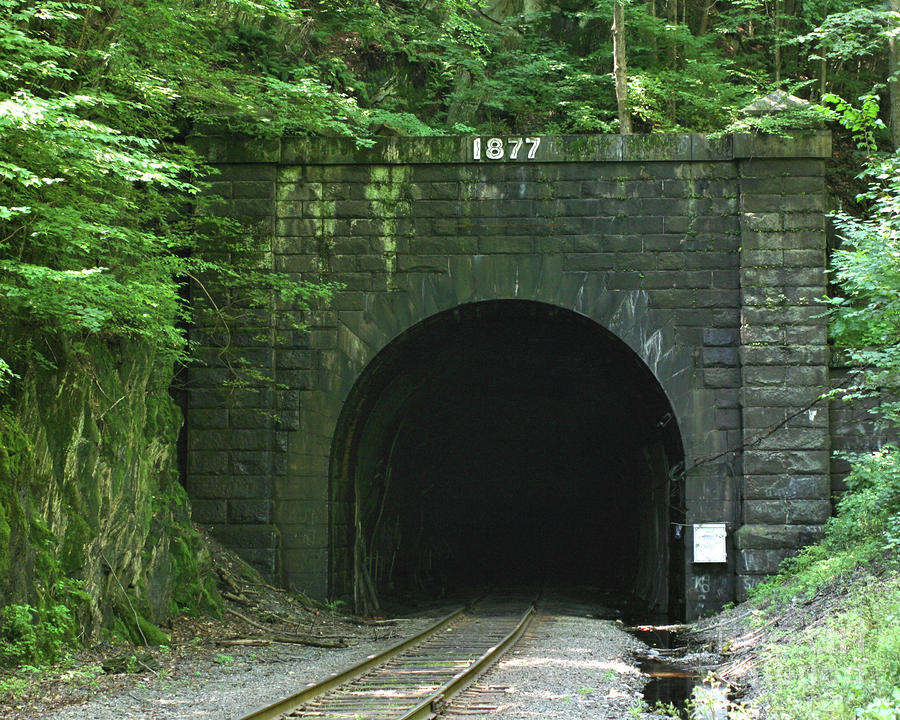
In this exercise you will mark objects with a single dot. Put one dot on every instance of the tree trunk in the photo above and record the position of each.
(893, 83)
(823, 77)
(672, 17)
(651, 8)
(778, 20)
(703, 26)
(619, 67)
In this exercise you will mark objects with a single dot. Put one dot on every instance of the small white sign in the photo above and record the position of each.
(709, 543)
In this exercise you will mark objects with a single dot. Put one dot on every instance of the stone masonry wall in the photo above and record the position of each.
(705, 257)
(784, 360)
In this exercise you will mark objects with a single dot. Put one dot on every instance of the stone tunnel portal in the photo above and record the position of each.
(507, 442)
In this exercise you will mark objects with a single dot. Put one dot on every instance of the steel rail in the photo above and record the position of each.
(313, 690)
(434, 703)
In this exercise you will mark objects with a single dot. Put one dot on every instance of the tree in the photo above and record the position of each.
(620, 68)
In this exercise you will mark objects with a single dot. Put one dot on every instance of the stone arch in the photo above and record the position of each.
(370, 339)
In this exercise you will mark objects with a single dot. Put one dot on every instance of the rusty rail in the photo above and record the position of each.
(413, 679)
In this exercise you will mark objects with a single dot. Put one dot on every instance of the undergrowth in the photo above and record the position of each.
(845, 666)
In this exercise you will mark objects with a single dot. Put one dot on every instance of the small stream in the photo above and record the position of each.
(673, 684)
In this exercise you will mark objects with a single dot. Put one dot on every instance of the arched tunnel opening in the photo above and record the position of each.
(506, 443)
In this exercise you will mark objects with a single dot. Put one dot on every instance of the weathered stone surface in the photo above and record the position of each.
(704, 256)
(788, 511)
(762, 562)
(91, 492)
(775, 537)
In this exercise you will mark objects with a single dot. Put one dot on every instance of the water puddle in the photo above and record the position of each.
(671, 684)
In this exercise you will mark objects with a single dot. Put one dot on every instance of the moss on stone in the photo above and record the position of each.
(91, 508)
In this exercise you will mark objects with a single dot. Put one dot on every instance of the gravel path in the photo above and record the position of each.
(231, 684)
(569, 666)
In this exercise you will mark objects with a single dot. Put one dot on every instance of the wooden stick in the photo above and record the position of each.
(284, 640)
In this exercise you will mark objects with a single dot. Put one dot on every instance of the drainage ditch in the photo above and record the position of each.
(672, 685)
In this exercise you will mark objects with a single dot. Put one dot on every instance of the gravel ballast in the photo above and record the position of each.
(570, 664)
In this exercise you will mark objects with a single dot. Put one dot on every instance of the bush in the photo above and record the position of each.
(30, 637)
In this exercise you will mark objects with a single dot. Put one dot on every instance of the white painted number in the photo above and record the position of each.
(494, 148)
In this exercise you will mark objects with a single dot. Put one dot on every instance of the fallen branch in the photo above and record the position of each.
(733, 669)
(730, 621)
(283, 640)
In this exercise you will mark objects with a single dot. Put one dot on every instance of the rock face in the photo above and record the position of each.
(92, 514)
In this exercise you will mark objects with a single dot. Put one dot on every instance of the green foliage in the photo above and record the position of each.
(882, 708)
(854, 656)
(29, 636)
(97, 236)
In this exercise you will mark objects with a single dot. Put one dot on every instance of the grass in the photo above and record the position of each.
(845, 668)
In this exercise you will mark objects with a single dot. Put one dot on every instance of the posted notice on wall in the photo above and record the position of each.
(709, 543)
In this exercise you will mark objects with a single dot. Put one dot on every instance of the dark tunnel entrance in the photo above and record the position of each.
(506, 442)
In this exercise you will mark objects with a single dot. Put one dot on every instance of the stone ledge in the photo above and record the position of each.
(674, 147)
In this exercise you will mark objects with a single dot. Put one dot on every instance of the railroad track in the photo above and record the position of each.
(416, 678)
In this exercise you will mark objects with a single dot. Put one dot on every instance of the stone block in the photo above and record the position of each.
(505, 245)
(787, 512)
(784, 355)
(806, 334)
(717, 487)
(262, 559)
(249, 486)
(301, 512)
(786, 375)
(209, 511)
(635, 261)
(760, 223)
(717, 298)
(774, 537)
(710, 260)
(301, 487)
(774, 462)
(693, 278)
(780, 396)
(423, 263)
(243, 512)
(814, 258)
(663, 299)
(814, 221)
(207, 462)
(253, 189)
(206, 419)
(252, 207)
(720, 337)
(669, 261)
(288, 420)
(793, 439)
(250, 462)
(719, 356)
(709, 510)
(589, 261)
(728, 418)
(246, 536)
(720, 377)
(762, 562)
(296, 536)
